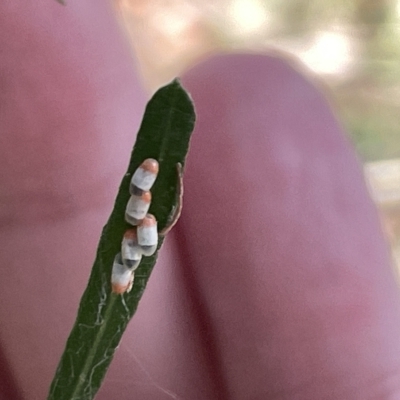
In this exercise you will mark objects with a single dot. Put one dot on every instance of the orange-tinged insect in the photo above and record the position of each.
(145, 176)
(131, 252)
(147, 235)
(137, 207)
(122, 277)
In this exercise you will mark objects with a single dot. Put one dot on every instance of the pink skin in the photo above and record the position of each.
(276, 283)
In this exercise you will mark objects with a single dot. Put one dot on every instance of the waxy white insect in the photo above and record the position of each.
(122, 277)
(137, 207)
(131, 252)
(145, 176)
(147, 235)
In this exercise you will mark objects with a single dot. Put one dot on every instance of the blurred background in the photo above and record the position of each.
(352, 48)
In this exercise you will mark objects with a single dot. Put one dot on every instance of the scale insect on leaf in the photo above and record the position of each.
(145, 176)
(142, 240)
(122, 277)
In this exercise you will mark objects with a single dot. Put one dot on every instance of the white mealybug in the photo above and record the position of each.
(121, 277)
(145, 176)
(147, 235)
(137, 207)
(131, 252)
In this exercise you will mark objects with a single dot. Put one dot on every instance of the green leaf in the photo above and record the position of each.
(102, 317)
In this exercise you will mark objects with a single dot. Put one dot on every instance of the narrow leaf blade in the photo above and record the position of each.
(102, 316)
